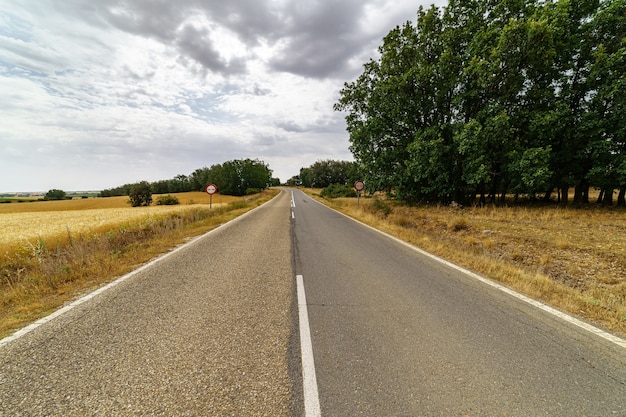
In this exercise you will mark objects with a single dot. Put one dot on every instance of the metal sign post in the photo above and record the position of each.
(358, 186)
(211, 189)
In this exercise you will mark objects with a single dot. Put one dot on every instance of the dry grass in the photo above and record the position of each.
(53, 256)
(571, 258)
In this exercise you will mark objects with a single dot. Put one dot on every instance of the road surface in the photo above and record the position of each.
(213, 330)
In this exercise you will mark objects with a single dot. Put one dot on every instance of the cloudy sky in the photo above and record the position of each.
(96, 94)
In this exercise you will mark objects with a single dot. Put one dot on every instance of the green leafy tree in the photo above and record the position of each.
(55, 194)
(236, 177)
(491, 97)
(140, 194)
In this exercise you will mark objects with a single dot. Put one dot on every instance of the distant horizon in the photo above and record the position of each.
(18, 193)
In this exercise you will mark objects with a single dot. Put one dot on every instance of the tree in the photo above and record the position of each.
(140, 194)
(237, 177)
(494, 96)
(55, 194)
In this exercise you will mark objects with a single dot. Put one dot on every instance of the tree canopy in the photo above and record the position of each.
(236, 177)
(326, 172)
(55, 194)
(487, 98)
(239, 177)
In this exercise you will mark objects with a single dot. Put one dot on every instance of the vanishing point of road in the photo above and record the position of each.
(296, 310)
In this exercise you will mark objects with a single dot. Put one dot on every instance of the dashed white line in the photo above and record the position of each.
(309, 380)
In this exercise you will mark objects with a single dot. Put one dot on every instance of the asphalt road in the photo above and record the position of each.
(395, 333)
(212, 330)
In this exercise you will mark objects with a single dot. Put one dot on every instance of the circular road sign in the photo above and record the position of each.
(359, 185)
(211, 189)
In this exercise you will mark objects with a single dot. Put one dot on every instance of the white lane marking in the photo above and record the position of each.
(119, 280)
(89, 296)
(293, 206)
(551, 310)
(309, 380)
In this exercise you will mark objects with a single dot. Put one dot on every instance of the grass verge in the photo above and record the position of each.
(40, 275)
(571, 258)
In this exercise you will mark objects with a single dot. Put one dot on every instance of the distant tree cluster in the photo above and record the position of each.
(240, 177)
(55, 194)
(493, 97)
(236, 177)
(324, 173)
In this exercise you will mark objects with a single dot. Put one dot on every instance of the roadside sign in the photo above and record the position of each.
(359, 186)
(211, 189)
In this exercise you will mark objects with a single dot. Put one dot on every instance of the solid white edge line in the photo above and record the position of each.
(21, 332)
(309, 379)
(551, 310)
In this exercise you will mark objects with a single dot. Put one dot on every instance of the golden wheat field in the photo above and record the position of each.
(21, 223)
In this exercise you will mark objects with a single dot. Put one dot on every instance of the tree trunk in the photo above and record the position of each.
(600, 196)
(483, 198)
(621, 198)
(608, 198)
(564, 195)
(581, 192)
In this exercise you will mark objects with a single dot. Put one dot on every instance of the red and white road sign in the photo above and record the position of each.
(211, 189)
(359, 185)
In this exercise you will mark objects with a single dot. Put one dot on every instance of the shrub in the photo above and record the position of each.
(338, 190)
(379, 205)
(458, 224)
(167, 200)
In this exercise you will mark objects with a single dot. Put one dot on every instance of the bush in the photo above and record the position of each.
(250, 191)
(380, 206)
(338, 190)
(167, 200)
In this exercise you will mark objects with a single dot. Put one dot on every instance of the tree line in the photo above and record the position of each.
(236, 177)
(324, 173)
(490, 98)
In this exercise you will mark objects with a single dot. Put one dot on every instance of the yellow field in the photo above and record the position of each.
(25, 222)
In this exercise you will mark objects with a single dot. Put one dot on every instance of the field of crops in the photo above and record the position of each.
(24, 222)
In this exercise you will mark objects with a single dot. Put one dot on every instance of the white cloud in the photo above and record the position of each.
(96, 94)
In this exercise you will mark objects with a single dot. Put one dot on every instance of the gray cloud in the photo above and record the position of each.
(318, 38)
(148, 89)
(197, 44)
(322, 38)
